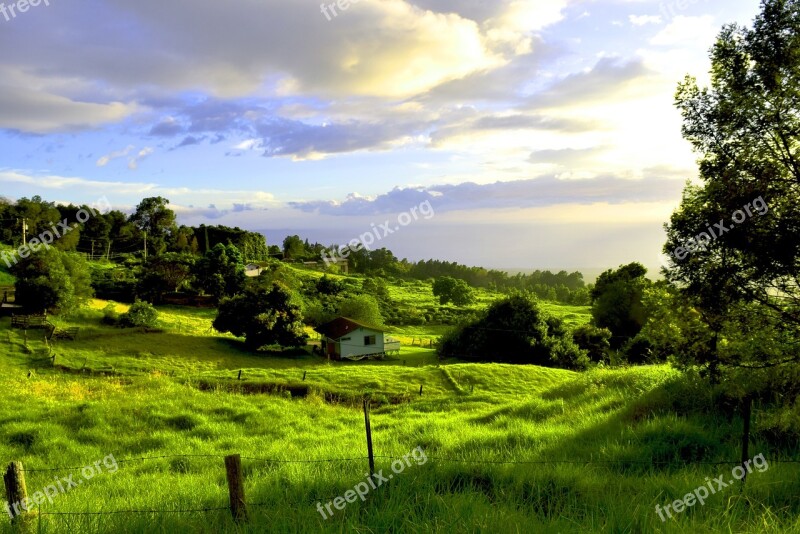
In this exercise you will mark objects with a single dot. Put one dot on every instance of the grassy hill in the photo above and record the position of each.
(593, 452)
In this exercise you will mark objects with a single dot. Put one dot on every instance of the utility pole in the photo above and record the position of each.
(108, 251)
(145, 245)
(24, 231)
(92, 249)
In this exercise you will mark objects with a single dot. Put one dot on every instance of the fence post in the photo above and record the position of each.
(304, 375)
(240, 375)
(233, 470)
(420, 390)
(16, 493)
(747, 408)
(369, 438)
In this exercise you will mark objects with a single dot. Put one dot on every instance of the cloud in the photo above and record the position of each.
(683, 30)
(105, 160)
(384, 48)
(32, 110)
(133, 163)
(566, 157)
(520, 194)
(643, 20)
(190, 140)
(605, 80)
(168, 127)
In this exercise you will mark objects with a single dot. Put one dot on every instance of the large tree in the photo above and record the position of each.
(153, 217)
(735, 241)
(515, 330)
(617, 302)
(362, 308)
(221, 271)
(263, 316)
(453, 290)
(51, 280)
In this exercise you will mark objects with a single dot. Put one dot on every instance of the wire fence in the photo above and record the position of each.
(443, 459)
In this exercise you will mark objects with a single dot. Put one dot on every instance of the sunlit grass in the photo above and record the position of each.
(152, 406)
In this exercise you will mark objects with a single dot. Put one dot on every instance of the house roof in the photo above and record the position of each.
(342, 326)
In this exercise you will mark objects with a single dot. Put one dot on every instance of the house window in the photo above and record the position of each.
(369, 340)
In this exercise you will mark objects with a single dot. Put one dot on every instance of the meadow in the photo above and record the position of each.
(508, 448)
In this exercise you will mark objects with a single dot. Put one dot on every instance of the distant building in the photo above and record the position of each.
(346, 339)
(251, 269)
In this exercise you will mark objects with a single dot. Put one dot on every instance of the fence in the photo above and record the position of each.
(16, 491)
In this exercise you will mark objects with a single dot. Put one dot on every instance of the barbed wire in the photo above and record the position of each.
(435, 458)
(359, 458)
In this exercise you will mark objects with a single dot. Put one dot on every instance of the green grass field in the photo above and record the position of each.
(592, 439)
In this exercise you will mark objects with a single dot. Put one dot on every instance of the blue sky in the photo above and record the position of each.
(542, 132)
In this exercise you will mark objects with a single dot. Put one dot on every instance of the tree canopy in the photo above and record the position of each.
(746, 129)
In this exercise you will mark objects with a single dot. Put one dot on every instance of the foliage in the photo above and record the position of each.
(110, 315)
(263, 317)
(293, 248)
(140, 315)
(153, 217)
(252, 244)
(453, 290)
(746, 128)
(362, 308)
(165, 273)
(49, 279)
(617, 302)
(515, 330)
(220, 272)
(595, 341)
(329, 286)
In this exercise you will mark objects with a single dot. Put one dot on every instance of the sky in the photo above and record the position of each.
(541, 133)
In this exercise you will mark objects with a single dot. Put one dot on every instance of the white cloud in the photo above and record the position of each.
(642, 20)
(133, 163)
(685, 31)
(105, 160)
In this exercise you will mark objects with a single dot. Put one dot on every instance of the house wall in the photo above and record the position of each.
(355, 345)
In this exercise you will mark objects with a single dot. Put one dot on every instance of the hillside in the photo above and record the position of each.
(170, 403)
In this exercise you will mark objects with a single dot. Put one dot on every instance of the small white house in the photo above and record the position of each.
(252, 269)
(346, 339)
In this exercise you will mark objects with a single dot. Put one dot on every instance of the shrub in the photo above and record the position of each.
(596, 341)
(515, 330)
(110, 315)
(141, 314)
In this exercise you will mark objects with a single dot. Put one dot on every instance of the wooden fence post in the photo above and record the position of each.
(747, 408)
(420, 390)
(240, 375)
(369, 438)
(233, 469)
(16, 492)
(304, 375)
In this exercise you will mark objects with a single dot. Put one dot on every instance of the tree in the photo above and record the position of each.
(595, 341)
(453, 290)
(515, 330)
(617, 302)
(165, 273)
(263, 317)
(221, 271)
(293, 247)
(746, 128)
(362, 308)
(51, 280)
(154, 217)
(139, 315)
(329, 286)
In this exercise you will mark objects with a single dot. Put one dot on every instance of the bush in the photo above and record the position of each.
(515, 330)
(596, 341)
(141, 314)
(110, 315)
